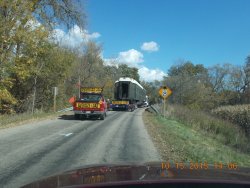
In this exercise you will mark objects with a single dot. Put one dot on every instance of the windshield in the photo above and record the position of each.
(90, 97)
(86, 83)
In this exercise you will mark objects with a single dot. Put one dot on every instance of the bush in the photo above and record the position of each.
(238, 114)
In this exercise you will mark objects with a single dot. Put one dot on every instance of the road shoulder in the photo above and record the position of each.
(154, 132)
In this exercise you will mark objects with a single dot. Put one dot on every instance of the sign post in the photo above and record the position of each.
(164, 92)
(79, 87)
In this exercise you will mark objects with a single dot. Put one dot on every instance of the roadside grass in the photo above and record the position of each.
(11, 120)
(238, 114)
(176, 141)
(224, 131)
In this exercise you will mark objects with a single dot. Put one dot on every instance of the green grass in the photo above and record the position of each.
(183, 143)
(224, 131)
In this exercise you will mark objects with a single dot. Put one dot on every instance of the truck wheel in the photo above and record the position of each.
(131, 109)
(102, 117)
(77, 116)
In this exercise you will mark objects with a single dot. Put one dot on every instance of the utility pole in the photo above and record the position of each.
(55, 91)
(34, 96)
(79, 87)
(34, 93)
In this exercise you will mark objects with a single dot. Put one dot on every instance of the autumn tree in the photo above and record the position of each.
(22, 42)
(246, 86)
(126, 71)
(190, 85)
(152, 89)
(24, 45)
(228, 83)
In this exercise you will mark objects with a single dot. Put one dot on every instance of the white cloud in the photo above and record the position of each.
(150, 46)
(91, 36)
(150, 74)
(131, 57)
(58, 34)
(110, 62)
(74, 37)
(33, 24)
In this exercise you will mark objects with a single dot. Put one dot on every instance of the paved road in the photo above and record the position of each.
(32, 151)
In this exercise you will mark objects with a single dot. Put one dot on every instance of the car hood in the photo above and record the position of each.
(156, 171)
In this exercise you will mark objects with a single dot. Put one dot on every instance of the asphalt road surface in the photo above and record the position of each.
(30, 152)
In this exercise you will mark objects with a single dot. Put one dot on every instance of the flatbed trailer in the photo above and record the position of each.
(122, 106)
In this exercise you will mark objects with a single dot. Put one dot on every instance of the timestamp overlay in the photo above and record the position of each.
(196, 169)
(198, 166)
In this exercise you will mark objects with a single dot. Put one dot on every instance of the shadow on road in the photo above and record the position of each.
(72, 117)
(67, 117)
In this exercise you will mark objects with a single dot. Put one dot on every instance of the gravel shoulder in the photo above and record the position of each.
(154, 130)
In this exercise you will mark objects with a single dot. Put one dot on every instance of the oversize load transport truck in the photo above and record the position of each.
(128, 94)
(90, 104)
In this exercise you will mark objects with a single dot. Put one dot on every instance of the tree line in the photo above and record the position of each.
(198, 87)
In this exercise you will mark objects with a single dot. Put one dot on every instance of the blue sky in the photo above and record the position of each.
(205, 32)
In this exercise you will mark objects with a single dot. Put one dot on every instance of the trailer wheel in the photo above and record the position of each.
(77, 116)
(102, 117)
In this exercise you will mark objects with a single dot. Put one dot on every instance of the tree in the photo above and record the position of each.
(24, 29)
(152, 89)
(246, 87)
(190, 85)
(20, 45)
(126, 71)
(228, 83)
(64, 12)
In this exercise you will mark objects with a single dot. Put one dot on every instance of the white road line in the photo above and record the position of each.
(67, 134)
(142, 176)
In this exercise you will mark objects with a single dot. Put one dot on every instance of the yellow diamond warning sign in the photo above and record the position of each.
(165, 92)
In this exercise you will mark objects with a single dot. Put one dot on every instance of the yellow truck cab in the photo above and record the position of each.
(91, 104)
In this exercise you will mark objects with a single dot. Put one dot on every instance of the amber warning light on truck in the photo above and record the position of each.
(91, 90)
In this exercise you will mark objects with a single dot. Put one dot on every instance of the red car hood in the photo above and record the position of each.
(99, 175)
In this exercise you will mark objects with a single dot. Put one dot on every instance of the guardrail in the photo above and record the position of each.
(155, 109)
(66, 109)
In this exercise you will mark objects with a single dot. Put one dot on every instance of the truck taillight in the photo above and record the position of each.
(101, 105)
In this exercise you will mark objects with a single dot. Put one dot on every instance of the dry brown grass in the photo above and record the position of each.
(238, 114)
(223, 130)
(7, 121)
(158, 137)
